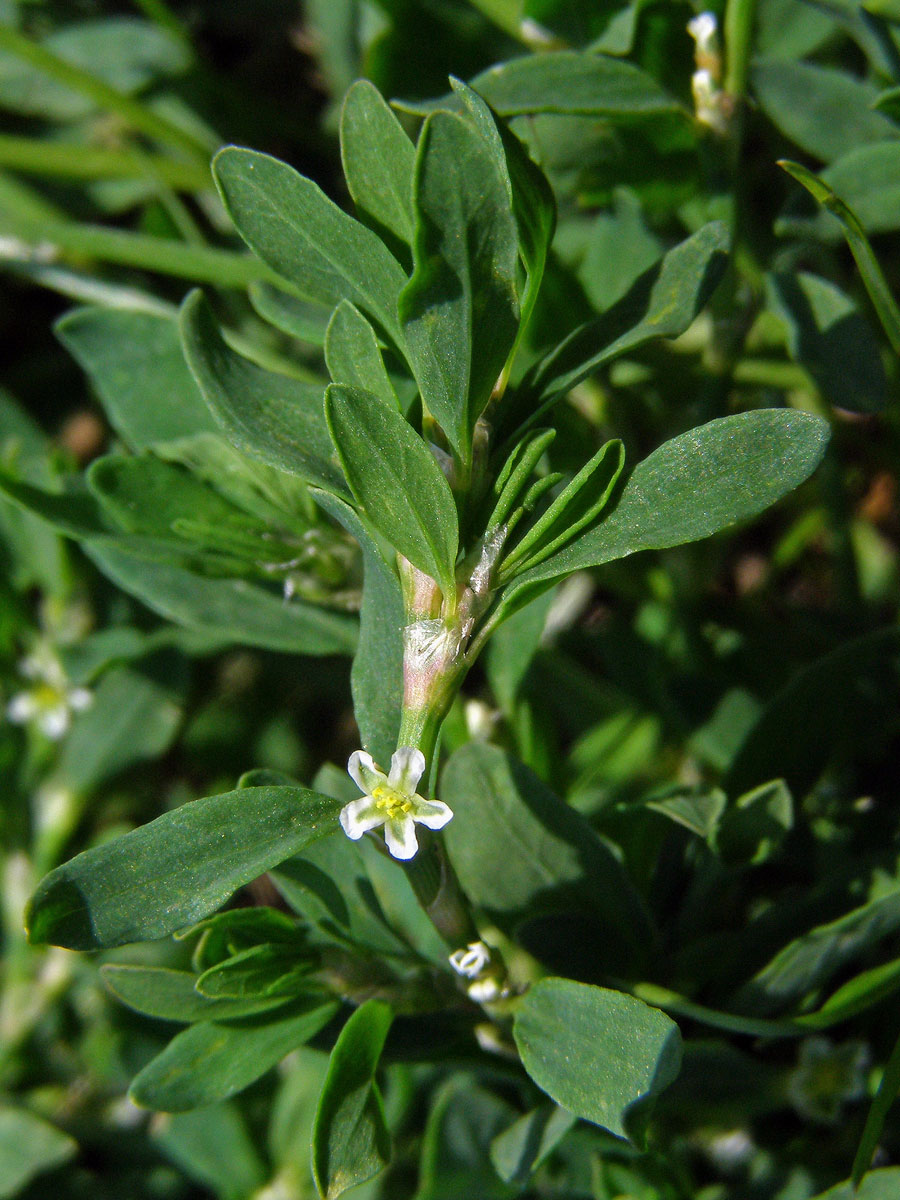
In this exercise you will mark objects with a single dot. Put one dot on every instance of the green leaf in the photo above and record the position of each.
(553, 862)
(462, 1124)
(231, 608)
(28, 1146)
(512, 648)
(396, 480)
(376, 677)
(576, 508)
(519, 1151)
(533, 202)
(209, 1062)
(135, 714)
(378, 161)
(293, 226)
(177, 869)
(698, 810)
(752, 829)
(600, 1054)
(875, 1185)
(811, 960)
(459, 310)
(270, 417)
(868, 181)
(726, 471)
(827, 335)
(146, 495)
(823, 110)
(327, 884)
(861, 992)
(215, 1148)
(353, 356)
(872, 277)
(303, 319)
(564, 81)
(123, 52)
(888, 1088)
(267, 972)
(74, 514)
(619, 248)
(351, 1142)
(227, 933)
(136, 364)
(171, 995)
(821, 714)
(663, 303)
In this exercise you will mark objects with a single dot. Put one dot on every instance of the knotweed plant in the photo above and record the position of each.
(405, 512)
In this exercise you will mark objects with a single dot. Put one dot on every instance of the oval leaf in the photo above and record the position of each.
(602, 1055)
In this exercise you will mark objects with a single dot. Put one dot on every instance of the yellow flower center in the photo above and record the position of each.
(392, 803)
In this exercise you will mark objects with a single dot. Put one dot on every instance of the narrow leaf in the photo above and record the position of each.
(210, 1062)
(350, 1141)
(353, 356)
(271, 417)
(293, 226)
(396, 480)
(459, 310)
(376, 677)
(230, 608)
(662, 303)
(696, 484)
(872, 277)
(177, 869)
(884, 1098)
(171, 995)
(378, 161)
(266, 971)
(576, 508)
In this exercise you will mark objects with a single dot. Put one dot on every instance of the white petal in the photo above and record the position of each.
(365, 774)
(407, 768)
(21, 708)
(80, 698)
(359, 816)
(54, 722)
(485, 991)
(401, 837)
(472, 960)
(432, 813)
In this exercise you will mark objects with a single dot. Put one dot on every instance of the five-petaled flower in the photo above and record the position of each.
(391, 800)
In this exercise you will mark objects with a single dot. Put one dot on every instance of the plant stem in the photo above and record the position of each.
(204, 264)
(739, 19)
(132, 111)
(76, 161)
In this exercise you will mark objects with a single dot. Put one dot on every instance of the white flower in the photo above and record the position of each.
(50, 702)
(391, 800)
(704, 30)
(471, 961)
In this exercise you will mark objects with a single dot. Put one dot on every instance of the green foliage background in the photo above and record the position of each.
(690, 754)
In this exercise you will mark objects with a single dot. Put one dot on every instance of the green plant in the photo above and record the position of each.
(507, 904)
